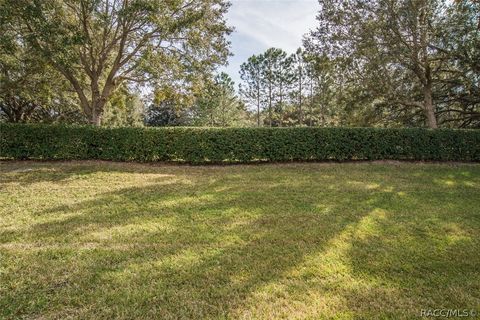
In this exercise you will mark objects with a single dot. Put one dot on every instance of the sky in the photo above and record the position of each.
(261, 24)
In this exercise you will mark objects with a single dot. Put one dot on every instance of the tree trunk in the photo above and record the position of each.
(428, 106)
(426, 77)
(270, 104)
(97, 111)
(258, 115)
(96, 118)
(300, 90)
(258, 105)
(311, 102)
(282, 113)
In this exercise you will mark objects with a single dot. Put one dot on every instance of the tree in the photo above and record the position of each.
(457, 90)
(267, 82)
(98, 45)
(385, 41)
(301, 81)
(30, 90)
(284, 79)
(251, 88)
(163, 114)
(170, 107)
(218, 105)
(124, 109)
(322, 91)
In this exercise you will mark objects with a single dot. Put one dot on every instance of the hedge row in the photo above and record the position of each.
(203, 145)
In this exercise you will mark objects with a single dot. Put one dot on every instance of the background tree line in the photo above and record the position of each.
(385, 63)
(374, 63)
(287, 90)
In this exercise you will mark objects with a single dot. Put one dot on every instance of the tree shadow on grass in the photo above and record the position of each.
(428, 259)
(204, 250)
(26, 173)
(416, 250)
(202, 253)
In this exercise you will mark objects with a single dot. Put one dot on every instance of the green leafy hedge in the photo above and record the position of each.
(202, 145)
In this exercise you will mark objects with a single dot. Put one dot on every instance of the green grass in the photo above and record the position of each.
(92, 240)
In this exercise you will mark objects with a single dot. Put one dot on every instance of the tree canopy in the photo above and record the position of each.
(98, 45)
(406, 56)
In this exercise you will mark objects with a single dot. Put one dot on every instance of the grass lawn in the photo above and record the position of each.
(92, 240)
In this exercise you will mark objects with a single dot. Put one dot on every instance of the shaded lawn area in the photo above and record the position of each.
(92, 240)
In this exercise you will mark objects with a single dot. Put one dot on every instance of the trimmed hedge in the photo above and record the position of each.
(206, 145)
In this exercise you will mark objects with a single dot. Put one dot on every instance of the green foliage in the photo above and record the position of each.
(98, 45)
(30, 90)
(268, 82)
(170, 107)
(401, 62)
(218, 105)
(124, 109)
(165, 114)
(289, 90)
(229, 145)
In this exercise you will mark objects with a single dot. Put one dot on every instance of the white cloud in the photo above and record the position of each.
(261, 24)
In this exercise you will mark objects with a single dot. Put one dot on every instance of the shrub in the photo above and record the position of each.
(204, 145)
